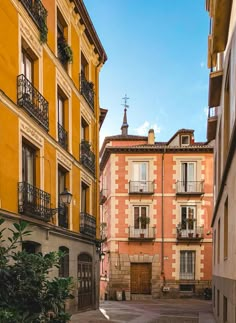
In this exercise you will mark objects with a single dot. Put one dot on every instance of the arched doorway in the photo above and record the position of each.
(85, 281)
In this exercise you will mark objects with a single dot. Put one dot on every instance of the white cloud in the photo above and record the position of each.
(144, 128)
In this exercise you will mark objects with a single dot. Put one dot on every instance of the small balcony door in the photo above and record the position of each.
(28, 164)
(140, 176)
(188, 177)
(26, 66)
(188, 219)
(140, 223)
(63, 211)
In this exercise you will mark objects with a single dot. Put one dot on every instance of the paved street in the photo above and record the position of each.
(154, 311)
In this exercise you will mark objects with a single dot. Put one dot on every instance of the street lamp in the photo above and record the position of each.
(65, 199)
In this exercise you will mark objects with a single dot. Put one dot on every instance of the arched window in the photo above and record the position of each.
(64, 262)
(31, 246)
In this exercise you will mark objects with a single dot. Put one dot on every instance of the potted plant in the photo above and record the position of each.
(179, 230)
(144, 220)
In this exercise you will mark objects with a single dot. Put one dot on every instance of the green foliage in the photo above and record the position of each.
(26, 293)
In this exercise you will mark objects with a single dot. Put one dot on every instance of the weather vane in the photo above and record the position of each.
(125, 101)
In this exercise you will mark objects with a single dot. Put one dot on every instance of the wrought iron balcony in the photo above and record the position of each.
(141, 187)
(64, 51)
(190, 187)
(34, 202)
(62, 136)
(39, 14)
(102, 197)
(87, 224)
(197, 233)
(87, 157)
(142, 234)
(63, 216)
(86, 89)
(29, 98)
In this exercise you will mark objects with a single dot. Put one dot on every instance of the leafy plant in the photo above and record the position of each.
(26, 292)
(144, 220)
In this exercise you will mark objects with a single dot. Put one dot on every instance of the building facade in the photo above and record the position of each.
(50, 59)
(156, 206)
(221, 127)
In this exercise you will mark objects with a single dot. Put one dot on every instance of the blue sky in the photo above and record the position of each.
(157, 52)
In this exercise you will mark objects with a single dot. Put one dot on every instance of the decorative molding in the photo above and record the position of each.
(85, 114)
(31, 133)
(64, 161)
(30, 37)
(63, 83)
(86, 179)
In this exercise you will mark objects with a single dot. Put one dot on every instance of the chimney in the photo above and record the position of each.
(151, 137)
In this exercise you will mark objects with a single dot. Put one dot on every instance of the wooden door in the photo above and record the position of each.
(141, 275)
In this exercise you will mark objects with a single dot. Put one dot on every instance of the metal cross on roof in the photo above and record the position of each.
(125, 101)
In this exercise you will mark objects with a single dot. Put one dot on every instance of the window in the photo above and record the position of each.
(84, 197)
(64, 262)
(141, 217)
(218, 243)
(64, 51)
(225, 310)
(139, 176)
(187, 264)
(185, 140)
(28, 164)
(84, 67)
(226, 112)
(31, 247)
(226, 229)
(188, 176)
(63, 209)
(188, 218)
(84, 130)
(26, 65)
(218, 302)
(214, 296)
(62, 133)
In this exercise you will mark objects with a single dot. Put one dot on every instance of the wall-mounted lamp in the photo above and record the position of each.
(102, 256)
(65, 199)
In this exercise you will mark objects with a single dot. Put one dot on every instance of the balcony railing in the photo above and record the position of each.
(63, 216)
(141, 187)
(142, 234)
(197, 233)
(29, 98)
(34, 202)
(87, 157)
(102, 196)
(86, 89)
(39, 14)
(190, 187)
(87, 224)
(62, 136)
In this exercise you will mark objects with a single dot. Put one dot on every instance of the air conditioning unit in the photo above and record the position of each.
(165, 289)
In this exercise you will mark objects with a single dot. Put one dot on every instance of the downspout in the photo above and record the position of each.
(162, 217)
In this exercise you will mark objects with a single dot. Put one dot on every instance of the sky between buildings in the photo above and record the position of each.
(157, 54)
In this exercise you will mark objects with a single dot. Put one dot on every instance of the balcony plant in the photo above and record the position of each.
(144, 220)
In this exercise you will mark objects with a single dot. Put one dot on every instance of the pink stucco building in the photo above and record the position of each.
(155, 211)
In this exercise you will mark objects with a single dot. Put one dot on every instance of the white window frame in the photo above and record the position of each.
(187, 264)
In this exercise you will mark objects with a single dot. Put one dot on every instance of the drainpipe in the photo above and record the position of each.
(162, 217)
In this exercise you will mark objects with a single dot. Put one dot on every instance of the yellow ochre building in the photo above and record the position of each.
(50, 59)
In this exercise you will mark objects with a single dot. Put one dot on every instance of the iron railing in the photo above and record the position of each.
(62, 136)
(86, 89)
(148, 233)
(29, 98)
(141, 187)
(189, 187)
(63, 216)
(190, 234)
(87, 157)
(38, 13)
(34, 202)
(88, 224)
